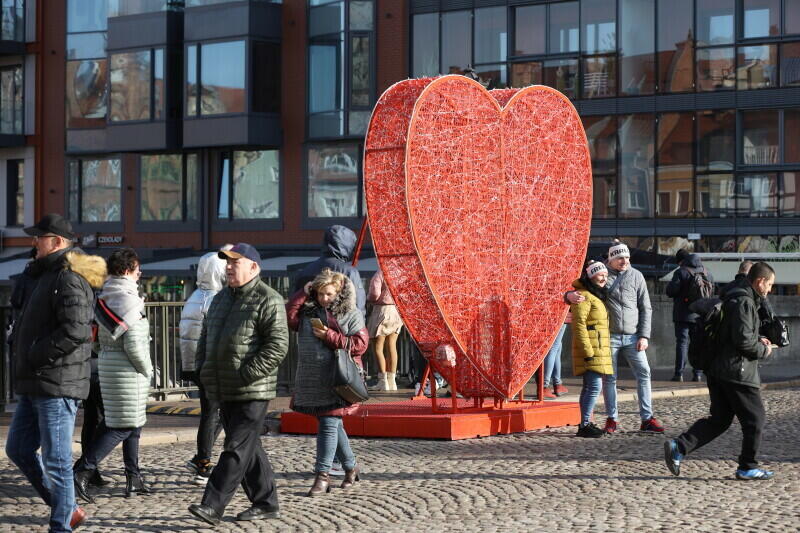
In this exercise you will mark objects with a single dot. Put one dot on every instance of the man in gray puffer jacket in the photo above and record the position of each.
(629, 315)
(244, 339)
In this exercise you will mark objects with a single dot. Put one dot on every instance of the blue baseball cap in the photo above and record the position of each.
(239, 250)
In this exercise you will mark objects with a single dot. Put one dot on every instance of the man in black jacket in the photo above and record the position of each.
(51, 353)
(678, 290)
(733, 380)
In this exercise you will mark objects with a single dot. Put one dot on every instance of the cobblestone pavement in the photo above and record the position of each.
(544, 480)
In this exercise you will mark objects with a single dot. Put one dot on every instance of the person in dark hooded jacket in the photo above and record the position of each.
(678, 290)
(338, 246)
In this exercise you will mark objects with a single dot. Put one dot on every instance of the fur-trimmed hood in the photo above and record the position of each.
(91, 267)
(344, 303)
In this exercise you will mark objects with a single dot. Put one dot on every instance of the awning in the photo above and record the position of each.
(274, 266)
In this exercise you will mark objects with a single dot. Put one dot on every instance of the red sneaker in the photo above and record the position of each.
(559, 389)
(611, 426)
(79, 516)
(651, 426)
(549, 395)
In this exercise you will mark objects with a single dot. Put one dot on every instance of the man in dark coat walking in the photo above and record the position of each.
(682, 316)
(734, 385)
(51, 351)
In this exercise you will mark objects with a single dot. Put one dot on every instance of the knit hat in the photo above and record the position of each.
(618, 249)
(595, 268)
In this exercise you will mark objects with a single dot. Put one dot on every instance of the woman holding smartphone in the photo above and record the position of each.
(326, 318)
(591, 346)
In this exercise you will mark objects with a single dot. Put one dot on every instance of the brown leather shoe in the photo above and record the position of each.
(78, 517)
(350, 478)
(322, 484)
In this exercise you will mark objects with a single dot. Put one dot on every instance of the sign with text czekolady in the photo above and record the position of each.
(93, 240)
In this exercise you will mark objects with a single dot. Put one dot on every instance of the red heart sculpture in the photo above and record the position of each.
(480, 216)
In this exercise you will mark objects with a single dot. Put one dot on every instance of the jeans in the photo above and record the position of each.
(729, 400)
(332, 440)
(682, 346)
(552, 361)
(105, 441)
(592, 384)
(626, 344)
(47, 422)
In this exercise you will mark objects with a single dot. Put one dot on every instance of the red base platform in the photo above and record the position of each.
(416, 419)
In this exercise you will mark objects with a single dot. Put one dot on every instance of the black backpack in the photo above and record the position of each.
(706, 332)
(700, 286)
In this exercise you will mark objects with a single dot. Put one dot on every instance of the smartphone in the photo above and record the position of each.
(316, 323)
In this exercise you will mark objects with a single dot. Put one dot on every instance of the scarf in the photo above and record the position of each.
(119, 305)
(588, 284)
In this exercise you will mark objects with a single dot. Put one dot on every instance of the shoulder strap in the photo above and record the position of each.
(616, 280)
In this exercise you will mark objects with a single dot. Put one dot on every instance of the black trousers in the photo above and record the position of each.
(243, 460)
(729, 400)
(92, 414)
(210, 425)
(104, 443)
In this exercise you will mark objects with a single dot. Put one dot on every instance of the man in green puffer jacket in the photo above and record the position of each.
(244, 339)
(734, 386)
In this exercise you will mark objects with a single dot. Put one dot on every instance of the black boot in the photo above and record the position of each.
(81, 478)
(134, 484)
(97, 480)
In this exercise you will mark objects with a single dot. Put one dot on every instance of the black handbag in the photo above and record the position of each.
(348, 379)
(776, 331)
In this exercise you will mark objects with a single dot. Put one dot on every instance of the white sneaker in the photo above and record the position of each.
(336, 469)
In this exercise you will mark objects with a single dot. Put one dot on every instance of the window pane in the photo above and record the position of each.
(758, 67)
(223, 193)
(563, 27)
(792, 17)
(426, 45)
(790, 191)
(330, 124)
(158, 83)
(491, 35)
(162, 187)
(456, 41)
(359, 120)
(118, 8)
(86, 15)
(760, 137)
(256, 184)
(326, 19)
(791, 135)
(524, 74)
(12, 25)
(19, 102)
(715, 195)
(86, 46)
(562, 74)
(601, 134)
(102, 191)
(762, 18)
(716, 135)
(529, 30)
(11, 107)
(790, 64)
(130, 86)
(191, 80)
(599, 21)
(715, 23)
(333, 176)
(757, 244)
(325, 91)
(359, 83)
(675, 164)
(599, 76)
(222, 78)
(266, 76)
(715, 69)
(494, 75)
(604, 196)
(192, 180)
(361, 17)
(637, 60)
(675, 45)
(86, 91)
(636, 165)
(757, 195)
(73, 190)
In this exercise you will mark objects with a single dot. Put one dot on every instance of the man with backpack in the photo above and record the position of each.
(691, 282)
(734, 385)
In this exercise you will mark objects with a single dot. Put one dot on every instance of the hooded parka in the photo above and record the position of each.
(210, 280)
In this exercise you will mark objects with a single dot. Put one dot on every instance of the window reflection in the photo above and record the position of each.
(524, 74)
(601, 135)
(636, 165)
(101, 191)
(87, 83)
(758, 67)
(191, 80)
(675, 46)
(86, 15)
(599, 76)
(361, 16)
(757, 195)
(12, 20)
(130, 86)
(86, 45)
(11, 100)
(751, 244)
(158, 83)
(715, 195)
(675, 165)
(333, 174)
(456, 41)
(715, 21)
(491, 36)
(760, 137)
(222, 78)
(790, 64)
(598, 19)
(791, 136)
(492, 76)
(256, 184)
(762, 18)
(562, 74)
(529, 30)
(563, 27)
(426, 45)
(716, 135)
(715, 69)
(359, 82)
(161, 187)
(637, 61)
(790, 195)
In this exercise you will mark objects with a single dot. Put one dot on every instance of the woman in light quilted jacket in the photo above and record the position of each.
(210, 280)
(125, 370)
(591, 345)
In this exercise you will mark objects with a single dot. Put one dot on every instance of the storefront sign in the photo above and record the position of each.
(109, 239)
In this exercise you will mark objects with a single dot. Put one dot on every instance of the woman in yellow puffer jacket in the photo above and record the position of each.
(591, 349)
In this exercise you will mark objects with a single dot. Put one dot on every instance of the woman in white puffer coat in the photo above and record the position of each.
(210, 280)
